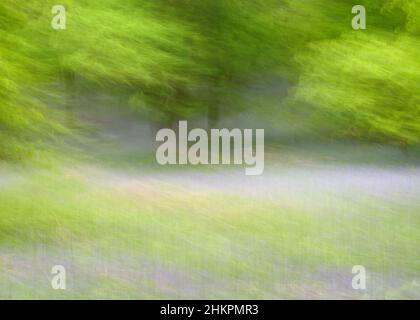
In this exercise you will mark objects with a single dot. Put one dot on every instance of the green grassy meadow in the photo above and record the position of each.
(148, 238)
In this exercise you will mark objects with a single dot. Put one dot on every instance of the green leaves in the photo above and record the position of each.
(364, 84)
(25, 120)
(183, 59)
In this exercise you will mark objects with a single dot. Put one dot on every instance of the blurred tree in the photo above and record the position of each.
(241, 42)
(364, 84)
(130, 48)
(25, 122)
(175, 59)
(180, 59)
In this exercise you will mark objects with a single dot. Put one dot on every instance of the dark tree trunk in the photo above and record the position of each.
(69, 88)
(213, 116)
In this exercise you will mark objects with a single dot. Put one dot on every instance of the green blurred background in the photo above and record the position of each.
(79, 185)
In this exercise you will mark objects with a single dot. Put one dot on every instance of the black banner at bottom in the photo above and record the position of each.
(206, 309)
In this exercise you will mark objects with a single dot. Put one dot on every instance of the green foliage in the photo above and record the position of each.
(182, 59)
(362, 88)
(24, 119)
(129, 46)
(172, 59)
(364, 84)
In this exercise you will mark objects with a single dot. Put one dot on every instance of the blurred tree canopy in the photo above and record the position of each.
(365, 84)
(25, 122)
(181, 59)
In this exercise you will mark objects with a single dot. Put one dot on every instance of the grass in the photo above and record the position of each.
(156, 240)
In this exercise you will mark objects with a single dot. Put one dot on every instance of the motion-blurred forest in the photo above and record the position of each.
(79, 185)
